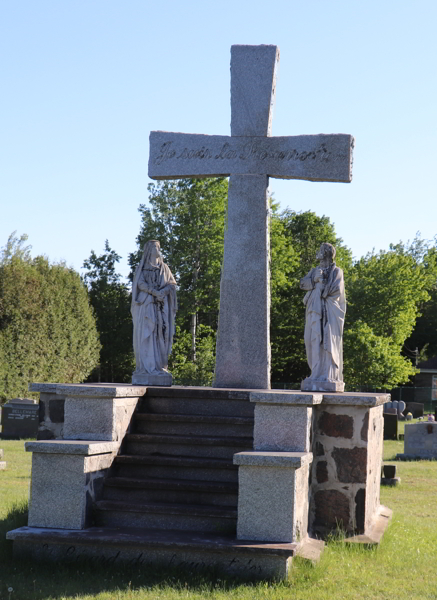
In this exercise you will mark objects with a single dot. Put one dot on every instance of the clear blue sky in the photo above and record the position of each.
(84, 82)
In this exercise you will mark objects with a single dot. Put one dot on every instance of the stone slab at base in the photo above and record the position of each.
(390, 481)
(152, 379)
(374, 535)
(189, 550)
(312, 385)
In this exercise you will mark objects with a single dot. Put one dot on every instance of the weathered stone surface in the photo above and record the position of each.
(281, 427)
(152, 379)
(273, 503)
(311, 157)
(339, 426)
(360, 510)
(253, 86)
(243, 338)
(356, 399)
(365, 428)
(56, 410)
(289, 397)
(322, 471)
(332, 509)
(87, 448)
(351, 464)
(273, 459)
(420, 440)
(60, 490)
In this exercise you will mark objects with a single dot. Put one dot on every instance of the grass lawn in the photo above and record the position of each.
(403, 567)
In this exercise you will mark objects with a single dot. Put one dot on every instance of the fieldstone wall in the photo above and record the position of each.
(347, 450)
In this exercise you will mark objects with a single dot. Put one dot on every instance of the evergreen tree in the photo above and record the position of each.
(111, 300)
(47, 327)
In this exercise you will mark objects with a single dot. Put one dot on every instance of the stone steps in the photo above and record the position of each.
(166, 516)
(153, 490)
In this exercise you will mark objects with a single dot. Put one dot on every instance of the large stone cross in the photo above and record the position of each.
(250, 156)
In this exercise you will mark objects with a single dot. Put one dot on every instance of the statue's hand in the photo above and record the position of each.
(318, 275)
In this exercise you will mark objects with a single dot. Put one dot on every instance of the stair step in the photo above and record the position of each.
(179, 424)
(219, 420)
(200, 401)
(169, 509)
(175, 467)
(183, 491)
(189, 550)
(217, 487)
(182, 517)
(205, 440)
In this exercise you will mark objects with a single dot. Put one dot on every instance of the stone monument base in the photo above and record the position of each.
(164, 379)
(313, 385)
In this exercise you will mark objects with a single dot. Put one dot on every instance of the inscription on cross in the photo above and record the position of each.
(249, 156)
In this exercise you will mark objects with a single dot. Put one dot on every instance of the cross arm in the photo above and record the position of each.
(323, 157)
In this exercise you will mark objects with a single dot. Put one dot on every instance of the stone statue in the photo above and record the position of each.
(153, 310)
(325, 303)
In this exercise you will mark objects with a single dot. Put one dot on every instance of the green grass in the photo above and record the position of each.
(403, 567)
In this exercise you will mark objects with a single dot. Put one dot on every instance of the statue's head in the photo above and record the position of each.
(326, 252)
(151, 251)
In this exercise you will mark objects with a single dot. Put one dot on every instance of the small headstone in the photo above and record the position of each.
(388, 405)
(2, 462)
(20, 418)
(415, 408)
(389, 475)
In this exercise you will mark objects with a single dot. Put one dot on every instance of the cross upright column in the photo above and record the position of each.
(243, 339)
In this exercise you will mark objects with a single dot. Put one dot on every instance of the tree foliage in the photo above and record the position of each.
(110, 299)
(47, 328)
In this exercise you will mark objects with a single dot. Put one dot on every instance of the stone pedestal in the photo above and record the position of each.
(164, 379)
(98, 412)
(273, 496)
(61, 501)
(313, 385)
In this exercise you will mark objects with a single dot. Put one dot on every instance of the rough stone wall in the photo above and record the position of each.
(51, 417)
(341, 465)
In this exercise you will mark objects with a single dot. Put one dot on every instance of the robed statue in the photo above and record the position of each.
(153, 310)
(325, 303)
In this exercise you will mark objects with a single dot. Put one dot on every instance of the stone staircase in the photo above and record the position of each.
(175, 469)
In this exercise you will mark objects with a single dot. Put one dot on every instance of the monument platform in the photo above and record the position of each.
(242, 480)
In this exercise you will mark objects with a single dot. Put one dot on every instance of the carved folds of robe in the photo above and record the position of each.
(153, 319)
(325, 311)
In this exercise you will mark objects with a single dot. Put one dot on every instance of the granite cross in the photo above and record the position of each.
(250, 156)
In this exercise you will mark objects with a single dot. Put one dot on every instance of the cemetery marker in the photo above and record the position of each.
(249, 156)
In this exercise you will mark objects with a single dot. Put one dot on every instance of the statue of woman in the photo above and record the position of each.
(325, 303)
(153, 311)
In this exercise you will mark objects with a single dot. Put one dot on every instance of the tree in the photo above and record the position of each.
(295, 239)
(110, 299)
(47, 327)
(385, 294)
(188, 217)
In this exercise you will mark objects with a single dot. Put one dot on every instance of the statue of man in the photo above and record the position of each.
(153, 311)
(325, 303)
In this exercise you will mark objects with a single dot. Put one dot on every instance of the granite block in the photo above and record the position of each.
(87, 448)
(293, 460)
(282, 428)
(289, 397)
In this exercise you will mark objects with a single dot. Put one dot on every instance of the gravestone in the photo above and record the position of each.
(390, 425)
(20, 418)
(415, 408)
(2, 462)
(249, 156)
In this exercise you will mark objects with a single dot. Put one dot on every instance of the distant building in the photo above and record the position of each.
(427, 380)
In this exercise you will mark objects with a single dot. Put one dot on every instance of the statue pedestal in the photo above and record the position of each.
(152, 379)
(313, 385)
